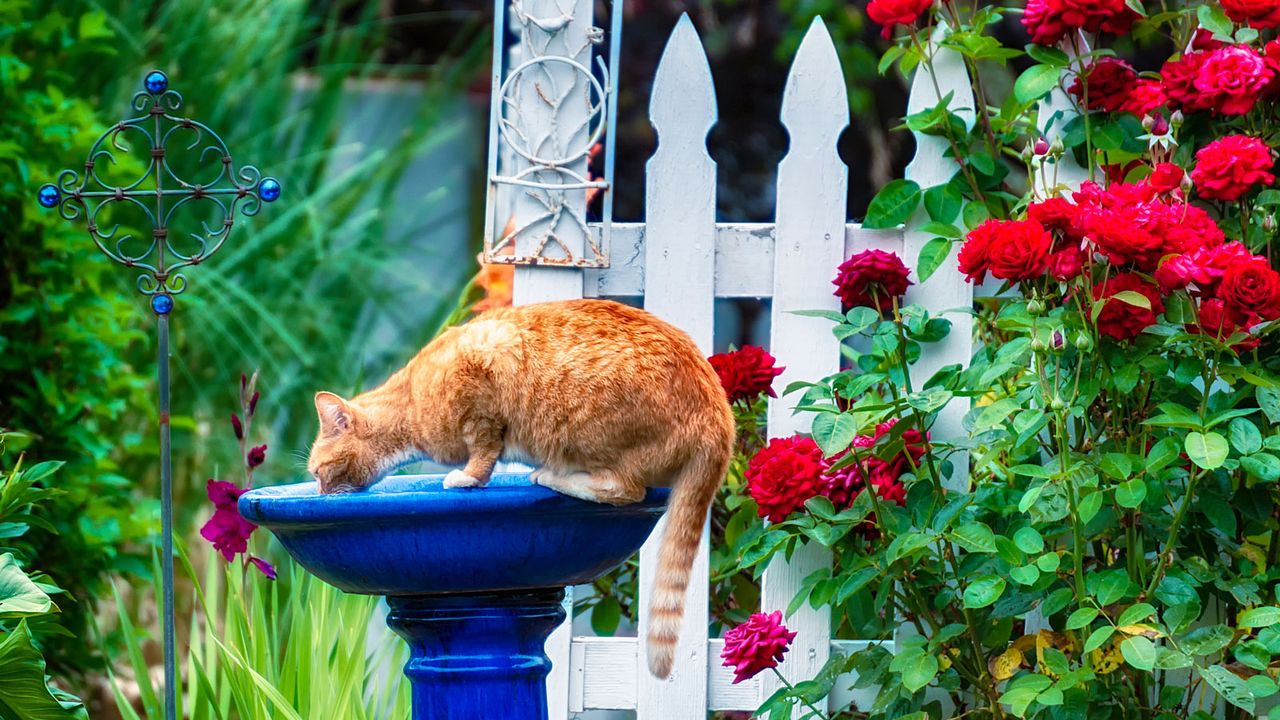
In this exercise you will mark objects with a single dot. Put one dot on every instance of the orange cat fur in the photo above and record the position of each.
(603, 398)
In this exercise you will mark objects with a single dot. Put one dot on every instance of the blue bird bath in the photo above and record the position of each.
(474, 577)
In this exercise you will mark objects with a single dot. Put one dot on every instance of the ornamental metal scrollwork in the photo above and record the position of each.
(158, 192)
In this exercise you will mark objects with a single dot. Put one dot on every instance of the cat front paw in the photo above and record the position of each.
(459, 479)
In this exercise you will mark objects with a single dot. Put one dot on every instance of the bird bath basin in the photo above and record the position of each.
(474, 577)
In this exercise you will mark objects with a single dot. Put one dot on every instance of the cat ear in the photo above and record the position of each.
(334, 412)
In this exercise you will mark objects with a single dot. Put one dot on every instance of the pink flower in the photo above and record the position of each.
(1231, 166)
(1231, 79)
(1202, 268)
(227, 530)
(871, 278)
(256, 456)
(756, 645)
(746, 373)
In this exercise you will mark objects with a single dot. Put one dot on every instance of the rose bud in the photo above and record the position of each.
(1042, 146)
(1057, 340)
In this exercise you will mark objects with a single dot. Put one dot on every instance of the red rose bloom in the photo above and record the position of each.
(1121, 236)
(1186, 228)
(871, 278)
(1066, 264)
(1145, 97)
(784, 474)
(1110, 82)
(1119, 319)
(1202, 268)
(1179, 78)
(1019, 250)
(756, 645)
(1257, 13)
(1251, 292)
(1057, 215)
(1166, 177)
(1203, 40)
(896, 12)
(1231, 79)
(849, 481)
(1215, 321)
(1044, 25)
(972, 258)
(1271, 56)
(745, 373)
(1231, 166)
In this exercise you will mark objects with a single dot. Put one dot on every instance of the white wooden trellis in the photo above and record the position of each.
(680, 261)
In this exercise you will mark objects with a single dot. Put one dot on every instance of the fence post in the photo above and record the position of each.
(679, 286)
(812, 195)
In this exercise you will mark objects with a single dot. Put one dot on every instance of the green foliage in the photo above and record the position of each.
(26, 599)
(265, 650)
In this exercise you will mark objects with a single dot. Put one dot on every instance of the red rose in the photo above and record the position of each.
(1179, 78)
(756, 645)
(1231, 166)
(1203, 40)
(1121, 320)
(972, 258)
(1231, 79)
(1251, 292)
(848, 482)
(784, 474)
(1057, 215)
(1043, 24)
(1271, 56)
(1202, 268)
(1121, 235)
(1257, 13)
(1166, 177)
(1019, 250)
(745, 373)
(1109, 84)
(871, 278)
(1214, 321)
(1186, 228)
(1145, 97)
(1066, 264)
(896, 12)
(1115, 195)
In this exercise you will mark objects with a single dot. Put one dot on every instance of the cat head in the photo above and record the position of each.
(343, 458)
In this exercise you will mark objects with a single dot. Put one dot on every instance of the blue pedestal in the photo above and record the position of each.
(474, 577)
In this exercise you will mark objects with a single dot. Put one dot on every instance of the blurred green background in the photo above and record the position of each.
(373, 115)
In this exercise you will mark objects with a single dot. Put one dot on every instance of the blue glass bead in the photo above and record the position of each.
(156, 82)
(162, 304)
(49, 195)
(269, 190)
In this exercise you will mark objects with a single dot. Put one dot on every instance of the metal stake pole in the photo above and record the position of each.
(166, 521)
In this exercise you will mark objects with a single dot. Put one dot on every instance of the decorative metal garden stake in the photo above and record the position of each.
(158, 192)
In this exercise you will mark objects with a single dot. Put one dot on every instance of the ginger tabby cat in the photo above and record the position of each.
(604, 399)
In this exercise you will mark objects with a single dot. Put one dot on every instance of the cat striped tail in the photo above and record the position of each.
(695, 488)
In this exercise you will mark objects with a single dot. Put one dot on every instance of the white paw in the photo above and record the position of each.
(459, 479)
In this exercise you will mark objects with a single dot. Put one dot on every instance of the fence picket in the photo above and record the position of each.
(680, 194)
(812, 189)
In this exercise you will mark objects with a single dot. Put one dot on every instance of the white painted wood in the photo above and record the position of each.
(600, 680)
(812, 192)
(680, 212)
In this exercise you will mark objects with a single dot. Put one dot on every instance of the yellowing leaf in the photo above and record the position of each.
(1006, 664)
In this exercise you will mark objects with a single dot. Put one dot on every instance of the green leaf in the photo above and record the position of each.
(984, 591)
(1098, 637)
(1229, 685)
(1139, 652)
(1269, 401)
(942, 203)
(605, 616)
(1035, 82)
(23, 692)
(920, 672)
(1028, 540)
(1131, 493)
(19, 597)
(1136, 613)
(1134, 298)
(892, 205)
(1081, 618)
(1110, 586)
(833, 433)
(1264, 466)
(1048, 55)
(932, 255)
(1245, 437)
(975, 537)
(1213, 19)
(1024, 575)
(1207, 640)
(1259, 617)
(1207, 450)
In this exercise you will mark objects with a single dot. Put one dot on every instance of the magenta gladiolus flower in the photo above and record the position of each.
(227, 530)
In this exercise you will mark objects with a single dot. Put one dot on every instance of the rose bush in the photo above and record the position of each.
(1102, 540)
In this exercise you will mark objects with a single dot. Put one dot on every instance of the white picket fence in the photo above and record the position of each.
(680, 260)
